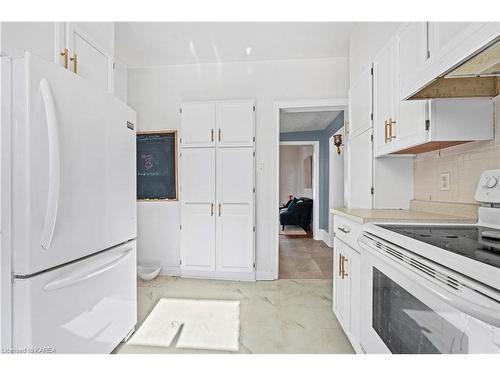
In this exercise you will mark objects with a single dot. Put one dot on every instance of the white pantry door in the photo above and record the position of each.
(198, 209)
(92, 61)
(198, 124)
(235, 123)
(235, 210)
(360, 170)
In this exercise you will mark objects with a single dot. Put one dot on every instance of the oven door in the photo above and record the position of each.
(412, 305)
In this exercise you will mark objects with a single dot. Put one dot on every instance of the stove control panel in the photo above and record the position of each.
(488, 188)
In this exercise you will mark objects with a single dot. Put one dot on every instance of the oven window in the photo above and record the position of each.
(406, 325)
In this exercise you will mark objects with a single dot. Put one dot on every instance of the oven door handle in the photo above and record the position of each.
(465, 299)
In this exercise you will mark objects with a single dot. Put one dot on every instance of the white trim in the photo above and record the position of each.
(170, 271)
(324, 236)
(315, 181)
(340, 104)
(264, 275)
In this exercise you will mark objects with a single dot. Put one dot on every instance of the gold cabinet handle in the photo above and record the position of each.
(212, 134)
(386, 137)
(344, 274)
(220, 136)
(390, 123)
(75, 63)
(211, 209)
(340, 265)
(64, 54)
(219, 209)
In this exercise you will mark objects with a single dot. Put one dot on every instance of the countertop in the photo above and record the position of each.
(362, 216)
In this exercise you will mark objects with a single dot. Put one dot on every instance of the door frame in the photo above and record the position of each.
(332, 104)
(335, 183)
(315, 180)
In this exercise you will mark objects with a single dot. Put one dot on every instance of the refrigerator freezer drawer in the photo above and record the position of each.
(85, 307)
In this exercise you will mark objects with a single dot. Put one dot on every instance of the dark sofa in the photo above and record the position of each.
(297, 211)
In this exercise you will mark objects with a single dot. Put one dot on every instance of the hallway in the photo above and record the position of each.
(304, 258)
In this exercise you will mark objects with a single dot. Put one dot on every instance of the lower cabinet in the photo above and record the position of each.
(346, 290)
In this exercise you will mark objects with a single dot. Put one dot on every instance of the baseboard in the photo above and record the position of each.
(232, 276)
(265, 275)
(324, 236)
(170, 271)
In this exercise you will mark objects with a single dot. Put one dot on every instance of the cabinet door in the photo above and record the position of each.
(92, 61)
(235, 123)
(359, 167)
(384, 90)
(447, 35)
(353, 267)
(361, 104)
(198, 124)
(341, 285)
(235, 210)
(198, 209)
(408, 127)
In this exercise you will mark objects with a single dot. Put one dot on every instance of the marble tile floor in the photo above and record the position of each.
(304, 258)
(282, 316)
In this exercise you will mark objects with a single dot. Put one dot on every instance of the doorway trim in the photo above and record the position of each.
(315, 180)
(332, 104)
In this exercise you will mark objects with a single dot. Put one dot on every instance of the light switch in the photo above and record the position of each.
(444, 181)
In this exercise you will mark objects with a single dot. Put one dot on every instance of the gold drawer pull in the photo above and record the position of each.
(390, 123)
(64, 54)
(75, 63)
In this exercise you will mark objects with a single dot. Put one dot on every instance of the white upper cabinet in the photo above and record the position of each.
(361, 103)
(198, 124)
(384, 83)
(235, 123)
(448, 45)
(89, 59)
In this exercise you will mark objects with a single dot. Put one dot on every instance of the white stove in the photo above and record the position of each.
(434, 288)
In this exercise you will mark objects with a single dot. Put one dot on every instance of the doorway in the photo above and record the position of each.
(307, 253)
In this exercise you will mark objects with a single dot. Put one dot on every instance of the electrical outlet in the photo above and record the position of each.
(444, 181)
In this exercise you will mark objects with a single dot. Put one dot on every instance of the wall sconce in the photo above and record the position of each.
(337, 141)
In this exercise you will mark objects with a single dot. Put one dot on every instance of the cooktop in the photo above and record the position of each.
(479, 243)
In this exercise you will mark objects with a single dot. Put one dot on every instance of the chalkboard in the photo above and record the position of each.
(157, 165)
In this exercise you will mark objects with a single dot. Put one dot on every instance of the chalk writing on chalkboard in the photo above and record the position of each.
(157, 165)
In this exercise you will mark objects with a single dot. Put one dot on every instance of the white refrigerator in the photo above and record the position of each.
(69, 227)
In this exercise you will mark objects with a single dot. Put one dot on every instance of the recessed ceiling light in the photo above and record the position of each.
(248, 50)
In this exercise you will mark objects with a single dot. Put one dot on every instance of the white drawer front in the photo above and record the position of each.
(347, 231)
(85, 307)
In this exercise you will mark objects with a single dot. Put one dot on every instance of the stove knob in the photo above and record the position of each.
(490, 182)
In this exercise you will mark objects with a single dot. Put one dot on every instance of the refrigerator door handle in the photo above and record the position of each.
(54, 164)
(86, 272)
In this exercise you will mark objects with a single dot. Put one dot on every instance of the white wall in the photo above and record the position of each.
(366, 40)
(156, 94)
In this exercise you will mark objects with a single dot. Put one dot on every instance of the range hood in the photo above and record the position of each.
(477, 76)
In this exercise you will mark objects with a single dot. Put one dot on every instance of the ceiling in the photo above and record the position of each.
(306, 121)
(171, 43)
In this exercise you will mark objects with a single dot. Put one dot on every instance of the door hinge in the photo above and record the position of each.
(427, 124)
(180, 262)
(428, 54)
(254, 139)
(371, 70)
(253, 190)
(254, 153)
(254, 108)
(371, 137)
(114, 65)
(372, 191)
(253, 265)
(180, 140)
(254, 228)
(180, 110)
(180, 227)
(371, 116)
